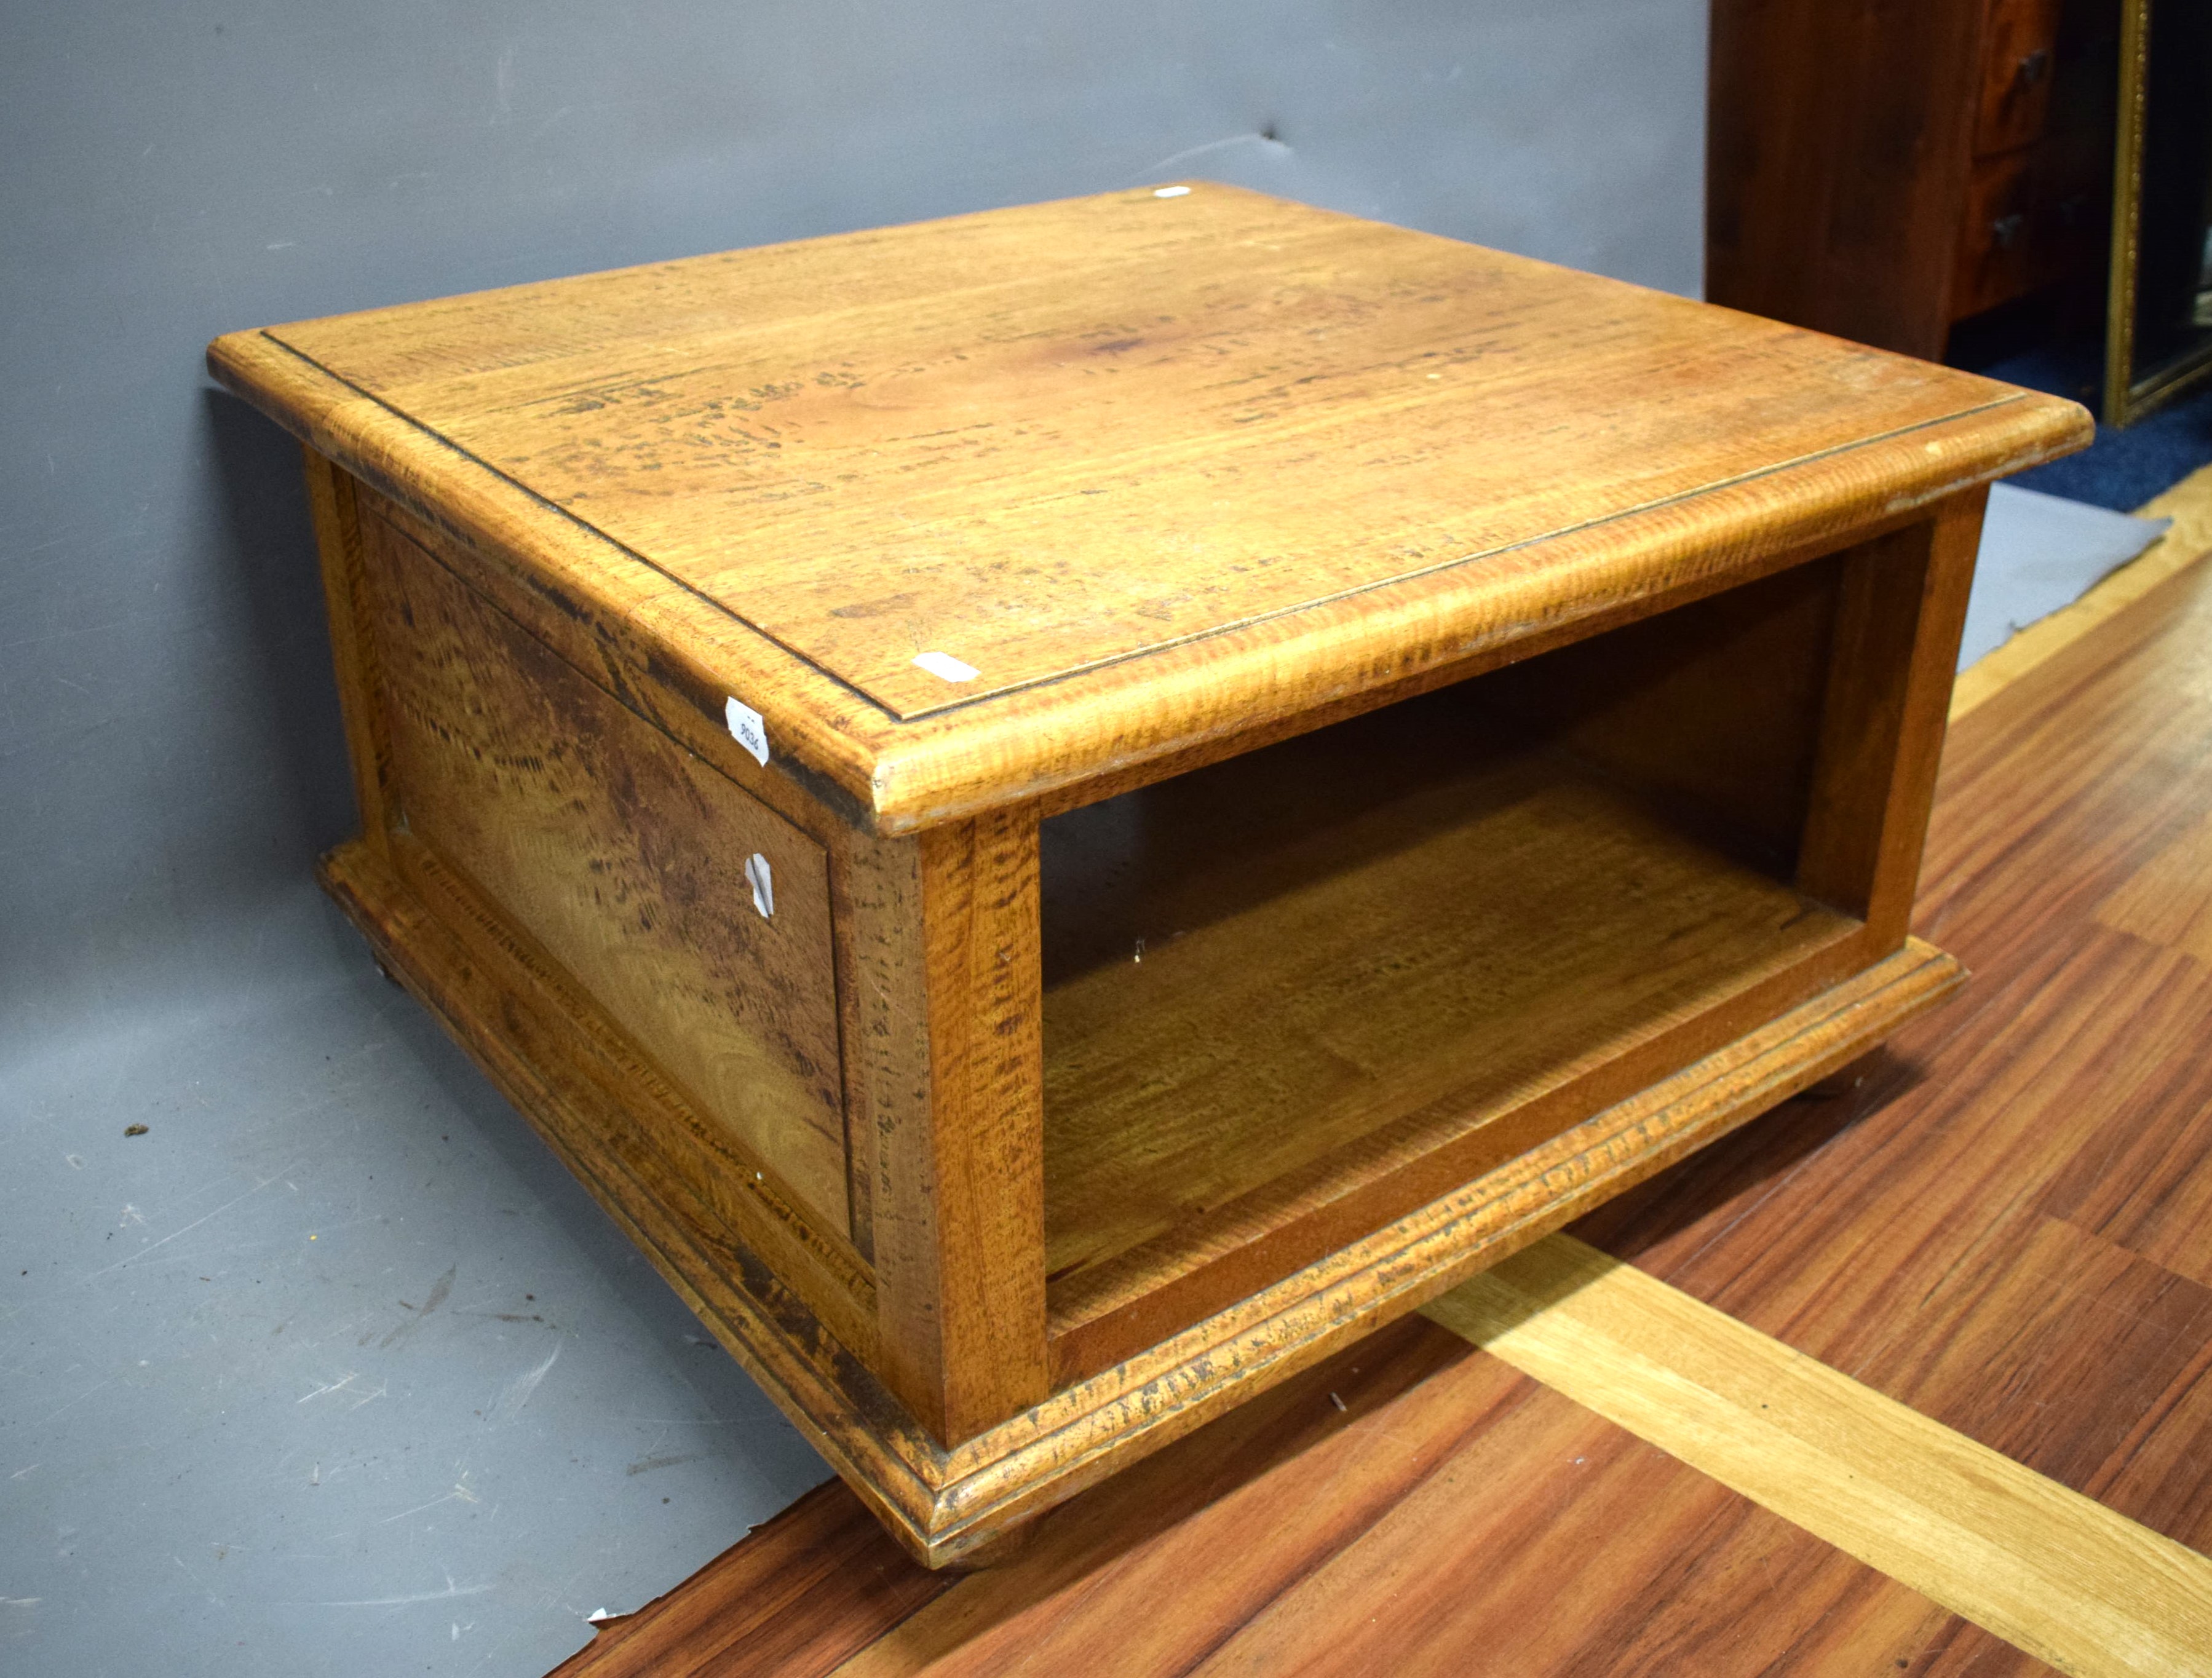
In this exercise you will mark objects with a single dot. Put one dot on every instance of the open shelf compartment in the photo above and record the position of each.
(1293, 994)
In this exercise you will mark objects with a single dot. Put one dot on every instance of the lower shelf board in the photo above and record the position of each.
(945, 1505)
(1510, 946)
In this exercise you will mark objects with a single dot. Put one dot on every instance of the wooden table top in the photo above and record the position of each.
(978, 507)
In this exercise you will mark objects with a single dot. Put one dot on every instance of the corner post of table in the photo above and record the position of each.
(1899, 614)
(337, 515)
(956, 1045)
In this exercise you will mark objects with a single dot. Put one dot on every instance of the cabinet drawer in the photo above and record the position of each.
(1996, 260)
(2033, 218)
(2019, 57)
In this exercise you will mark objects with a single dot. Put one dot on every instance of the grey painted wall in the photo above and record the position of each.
(167, 747)
(170, 759)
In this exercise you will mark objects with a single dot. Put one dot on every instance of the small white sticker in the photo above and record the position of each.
(763, 882)
(747, 729)
(944, 665)
(1170, 191)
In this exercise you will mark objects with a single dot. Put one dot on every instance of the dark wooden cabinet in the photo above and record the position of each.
(1882, 171)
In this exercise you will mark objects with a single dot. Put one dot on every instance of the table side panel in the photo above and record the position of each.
(625, 859)
(600, 641)
(335, 497)
(1900, 618)
(1709, 711)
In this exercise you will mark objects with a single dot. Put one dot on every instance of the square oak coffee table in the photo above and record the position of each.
(1064, 810)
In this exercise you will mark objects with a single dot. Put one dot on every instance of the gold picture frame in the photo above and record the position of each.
(2128, 397)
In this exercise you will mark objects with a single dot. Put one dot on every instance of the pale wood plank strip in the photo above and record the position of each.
(2189, 504)
(2052, 1572)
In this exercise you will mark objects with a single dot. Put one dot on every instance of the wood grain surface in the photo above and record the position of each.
(333, 499)
(625, 859)
(2019, 38)
(1076, 448)
(1899, 615)
(960, 1200)
(2054, 1573)
(948, 493)
(1839, 136)
(936, 442)
(801, 1317)
(1358, 938)
(2000, 1221)
(2188, 504)
(819, 1582)
(1293, 995)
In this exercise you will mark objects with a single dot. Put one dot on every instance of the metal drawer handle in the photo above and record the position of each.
(2007, 230)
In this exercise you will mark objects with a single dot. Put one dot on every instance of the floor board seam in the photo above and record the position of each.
(1625, 1345)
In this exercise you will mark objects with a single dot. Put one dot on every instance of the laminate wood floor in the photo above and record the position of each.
(1985, 1253)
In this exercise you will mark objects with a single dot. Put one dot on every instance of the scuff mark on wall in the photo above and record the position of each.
(518, 1391)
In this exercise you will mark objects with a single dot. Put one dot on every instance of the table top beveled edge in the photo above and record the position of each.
(1042, 740)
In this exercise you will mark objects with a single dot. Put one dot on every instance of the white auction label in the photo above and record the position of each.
(747, 729)
(759, 876)
(946, 668)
